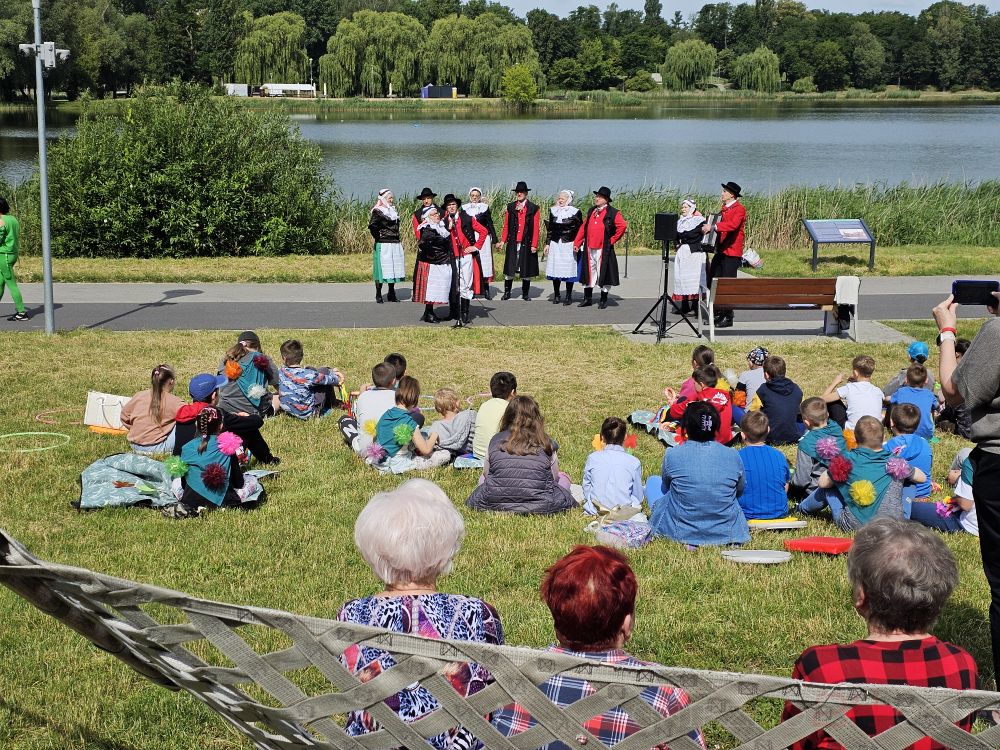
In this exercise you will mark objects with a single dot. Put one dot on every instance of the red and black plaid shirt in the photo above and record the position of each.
(921, 663)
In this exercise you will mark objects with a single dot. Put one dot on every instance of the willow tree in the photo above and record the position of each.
(501, 46)
(757, 71)
(687, 63)
(274, 49)
(370, 51)
(449, 53)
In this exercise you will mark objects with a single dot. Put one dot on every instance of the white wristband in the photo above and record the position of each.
(946, 336)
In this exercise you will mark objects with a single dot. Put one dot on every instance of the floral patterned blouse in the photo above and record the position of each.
(445, 616)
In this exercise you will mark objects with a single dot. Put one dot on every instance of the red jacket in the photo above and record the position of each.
(520, 227)
(594, 230)
(463, 225)
(722, 403)
(730, 228)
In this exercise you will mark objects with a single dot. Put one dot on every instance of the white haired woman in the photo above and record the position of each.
(563, 223)
(901, 574)
(409, 537)
(689, 260)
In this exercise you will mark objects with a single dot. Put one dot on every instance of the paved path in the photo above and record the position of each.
(237, 306)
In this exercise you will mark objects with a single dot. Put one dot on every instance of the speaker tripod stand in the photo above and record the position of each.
(660, 307)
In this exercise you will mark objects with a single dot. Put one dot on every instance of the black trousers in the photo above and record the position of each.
(986, 493)
(723, 267)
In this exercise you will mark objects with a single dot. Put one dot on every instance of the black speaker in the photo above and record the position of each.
(665, 227)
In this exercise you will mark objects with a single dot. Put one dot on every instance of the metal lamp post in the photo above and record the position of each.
(46, 55)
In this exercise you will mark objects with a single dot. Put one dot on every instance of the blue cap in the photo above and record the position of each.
(203, 385)
(918, 350)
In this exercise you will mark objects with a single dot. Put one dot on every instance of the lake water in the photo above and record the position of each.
(761, 146)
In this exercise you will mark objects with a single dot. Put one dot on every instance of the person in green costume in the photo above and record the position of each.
(10, 231)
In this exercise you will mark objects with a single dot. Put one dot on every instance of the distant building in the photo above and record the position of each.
(237, 89)
(438, 92)
(303, 90)
(657, 78)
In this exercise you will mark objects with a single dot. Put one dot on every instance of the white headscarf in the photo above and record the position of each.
(567, 212)
(691, 221)
(438, 225)
(383, 205)
(475, 208)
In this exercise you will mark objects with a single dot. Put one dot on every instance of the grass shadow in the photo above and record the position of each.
(90, 739)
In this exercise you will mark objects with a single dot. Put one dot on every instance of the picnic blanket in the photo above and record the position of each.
(665, 432)
(130, 479)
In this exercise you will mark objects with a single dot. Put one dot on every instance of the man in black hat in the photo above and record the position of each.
(467, 277)
(426, 197)
(595, 241)
(520, 237)
(729, 250)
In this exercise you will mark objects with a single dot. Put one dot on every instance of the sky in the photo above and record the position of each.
(690, 7)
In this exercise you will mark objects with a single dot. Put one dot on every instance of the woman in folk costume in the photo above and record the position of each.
(595, 241)
(564, 222)
(387, 257)
(481, 211)
(520, 236)
(467, 235)
(435, 263)
(689, 260)
(426, 199)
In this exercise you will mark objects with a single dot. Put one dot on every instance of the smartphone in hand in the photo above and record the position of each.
(971, 292)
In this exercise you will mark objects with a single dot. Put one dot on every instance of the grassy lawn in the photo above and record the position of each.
(695, 609)
(907, 260)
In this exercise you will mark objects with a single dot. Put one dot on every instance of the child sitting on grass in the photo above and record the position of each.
(765, 495)
(813, 456)
(369, 407)
(398, 363)
(455, 428)
(702, 356)
(745, 394)
(916, 393)
(865, 483)
(707, 389)
(213, 475)
(780, 400)
(858, 397)
(305, 392)
(503, 387)
(905, 443)
(958, 513)
(397, 431)
(611, 477)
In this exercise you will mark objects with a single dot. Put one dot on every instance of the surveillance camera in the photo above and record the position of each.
(26, 49)
(62, 55)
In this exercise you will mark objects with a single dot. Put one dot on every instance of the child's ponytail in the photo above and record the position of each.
(161, 376)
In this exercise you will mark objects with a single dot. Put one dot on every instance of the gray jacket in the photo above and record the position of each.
(519, 484)
(977, 379)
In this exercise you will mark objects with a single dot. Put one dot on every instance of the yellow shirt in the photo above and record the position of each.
(487, 425)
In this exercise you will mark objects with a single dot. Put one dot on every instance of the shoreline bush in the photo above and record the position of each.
(181, 173)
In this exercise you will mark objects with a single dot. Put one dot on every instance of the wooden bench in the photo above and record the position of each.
(776, 294)
(259, 690)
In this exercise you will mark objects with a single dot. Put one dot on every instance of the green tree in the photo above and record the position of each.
(946, 28)
(225, 23)
(499, 46)
(180, 173)
(552, 37)
(641, 81)
(829, 66)
(713, 24)
(804, 86)
(449, 52)
(757, 71)
(688, 63)
(866, 56)
(565, 73)
(369, 52)
(517, 85)
(176, 30)
(15, 22)
(273, 50)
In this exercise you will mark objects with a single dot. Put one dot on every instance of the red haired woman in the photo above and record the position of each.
(591, 595)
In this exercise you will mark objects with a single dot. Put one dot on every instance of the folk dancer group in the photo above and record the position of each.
(455, 249)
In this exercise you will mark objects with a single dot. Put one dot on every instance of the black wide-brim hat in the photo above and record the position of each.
(427, 193)
(733, 188)
(604, 192)
(521, 187)
(450, 198)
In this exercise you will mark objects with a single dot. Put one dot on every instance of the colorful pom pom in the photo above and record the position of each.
(403, 434)
(176, 466)
(840, 469)
(597, 443)
(897, 468)
(370, 426)
(214, 476)
(256, 392)
(740, 398)
(944, 509)
(374, 453)
(261, 362)
(233, 369)
(863, 493)
(827, 448)
(229, 443)
(630, 442)
(852, 442)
